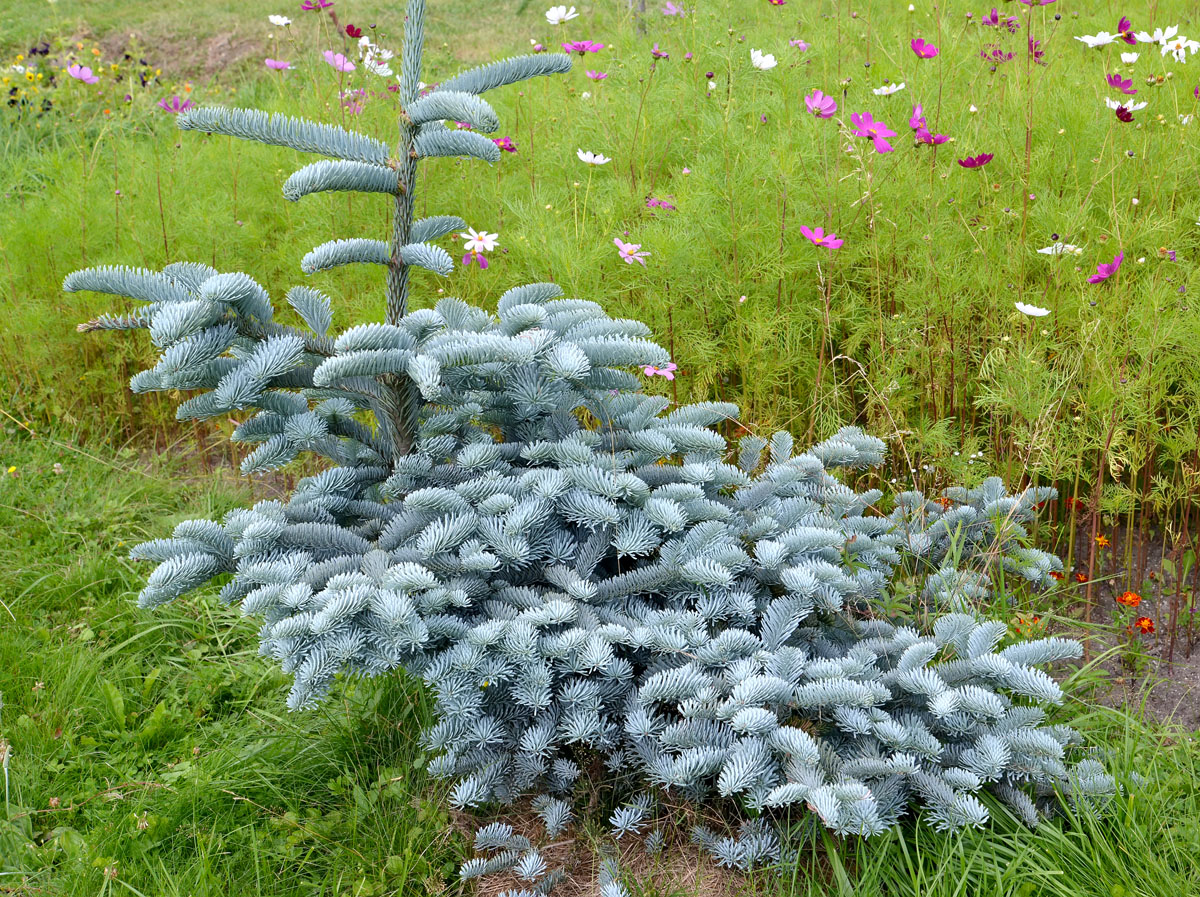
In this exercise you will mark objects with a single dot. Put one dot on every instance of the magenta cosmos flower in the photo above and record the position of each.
(922, 49)
(1125, 31)
(174, 105)
(505, 143)
(820, 238)
(630, 252)
(917, 122)
(866, 126)
(668, 372)
(597, 76)
(582, 47)
(338, 61)
(659, 54)
(309, 5)
(82, 73)
(1106, 270)
(1125, 85)
(820, 105)
(976, 161)
(278, 64)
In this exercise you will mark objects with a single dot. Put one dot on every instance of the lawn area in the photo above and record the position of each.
(151, 752)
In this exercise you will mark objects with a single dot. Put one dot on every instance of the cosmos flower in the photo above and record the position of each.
(279, 21)
(278, 64)
(1032, 310)
(1125, 85)
(174, 105)
(310, 5)
(1115, 105)
(556, 15)
(338, 61)
(582, 47)
(668, 372)
(866, 126)
(762, 61)
(888, 89)
(653, 203)
(631, 252)
(592, 158)
(922, 49)
(820, 105)
(799, 44)
(1061, 249)
(597, 76)
(1129, 58)
(477, 243)
(1124, 114)
(82, 73)
(976, 161)
(1158, 37)
(819, 238)
(672, 10)
(657, 53)
(1101, 39)
(1105, 270)
(1180, 47)
(1125, 31)
(505, 143)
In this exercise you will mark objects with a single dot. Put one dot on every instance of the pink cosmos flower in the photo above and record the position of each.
(338, 61)
(922, 49)
(917, 119)
(630, 252)
(582, 47)
(820, 105)
(82, 73)
(278, 64)
(505, 143)
(668, 372)
(866, 126)
(597, 76)
(800, 45)
(1125, 85)
(308, 5)
(174, 106)
(654, 203)
(820, 238)
(976, 161)
(659, 54)
(1106, 270)
(672, 10)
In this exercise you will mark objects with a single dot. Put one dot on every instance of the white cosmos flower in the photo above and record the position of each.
(1032, 310)
(761, 60)
(1180, 47)
(888, 89)
(479, 241)
(556, 15)
(1132, 107)
(592, 158)
(1158, 37)
(1061, 249)
(1097, 40)
(279, 21)
(1129, 58)
(1185, 119)
(585, 95)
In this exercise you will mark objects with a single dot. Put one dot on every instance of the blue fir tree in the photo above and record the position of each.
(573, 567)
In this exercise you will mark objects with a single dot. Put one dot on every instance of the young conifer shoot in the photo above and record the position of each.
(574, 568)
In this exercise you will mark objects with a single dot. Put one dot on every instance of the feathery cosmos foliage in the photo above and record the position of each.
(571, 566)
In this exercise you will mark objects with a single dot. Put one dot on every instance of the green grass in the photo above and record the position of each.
(156, 746)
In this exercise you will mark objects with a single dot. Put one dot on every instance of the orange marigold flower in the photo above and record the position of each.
(1075, 504)
(1144, 625)
(944, 502)
(1129, 599)
(1102, 541)
(1054, 574)
(1081, 577)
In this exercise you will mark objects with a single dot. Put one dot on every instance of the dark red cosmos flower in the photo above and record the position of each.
(1124, 114)
(976, 161)
(353, 32)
